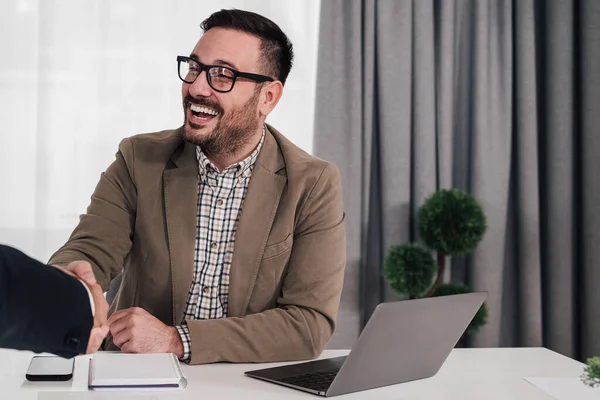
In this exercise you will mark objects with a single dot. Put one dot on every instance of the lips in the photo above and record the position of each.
(203, 110)
(201, 114)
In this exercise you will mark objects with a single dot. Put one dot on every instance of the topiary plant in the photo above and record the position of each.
(450, 223)
(591, 374)
(409, 268)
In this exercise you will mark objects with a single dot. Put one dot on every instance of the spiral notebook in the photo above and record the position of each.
(119, 371)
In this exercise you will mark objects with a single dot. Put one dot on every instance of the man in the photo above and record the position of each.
(44, 309)
(231, 239)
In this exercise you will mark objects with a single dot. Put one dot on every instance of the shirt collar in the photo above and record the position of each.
(242, 168)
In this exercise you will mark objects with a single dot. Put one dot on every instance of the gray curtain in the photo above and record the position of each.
(498, 98)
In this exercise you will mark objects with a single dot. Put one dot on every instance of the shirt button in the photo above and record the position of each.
(206, 289)
(219, 202)
(213, 246)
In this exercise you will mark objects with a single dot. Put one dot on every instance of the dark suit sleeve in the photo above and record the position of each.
(42, 309)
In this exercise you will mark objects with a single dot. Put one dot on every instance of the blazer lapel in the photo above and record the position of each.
(258, 212)
(181, 198)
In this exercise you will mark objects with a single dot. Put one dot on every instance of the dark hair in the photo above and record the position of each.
(277, 52)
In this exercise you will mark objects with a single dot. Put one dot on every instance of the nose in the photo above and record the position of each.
(200, 87)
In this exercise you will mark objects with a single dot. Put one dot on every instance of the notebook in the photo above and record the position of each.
(135, 371)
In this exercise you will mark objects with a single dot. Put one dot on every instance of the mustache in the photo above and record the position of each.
(202, 102)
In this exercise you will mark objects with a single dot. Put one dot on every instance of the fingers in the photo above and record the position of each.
(124, 319)
(120, 325)
(118, 315)
(126, 327)
(100, 305)
(121, 338)
(97, 335)
(129, 347)
(123, 313)
(82, 270)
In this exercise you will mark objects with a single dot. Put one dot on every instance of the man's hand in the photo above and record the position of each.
(97, 335)
(101, 328)
(83, 270)
(134, 330)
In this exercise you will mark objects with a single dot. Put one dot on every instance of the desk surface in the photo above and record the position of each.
(467, 374)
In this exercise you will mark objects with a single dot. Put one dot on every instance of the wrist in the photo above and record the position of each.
(176, 346)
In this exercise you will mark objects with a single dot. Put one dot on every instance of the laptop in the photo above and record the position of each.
(403, 341)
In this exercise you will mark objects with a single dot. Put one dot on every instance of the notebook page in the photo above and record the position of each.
(130, 369)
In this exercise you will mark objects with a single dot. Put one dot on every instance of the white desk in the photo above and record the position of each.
(467, 374)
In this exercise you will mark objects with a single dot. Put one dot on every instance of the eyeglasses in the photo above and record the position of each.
(220, 78)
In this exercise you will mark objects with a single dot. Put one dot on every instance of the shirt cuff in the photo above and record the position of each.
(92, 305)
(184, 332)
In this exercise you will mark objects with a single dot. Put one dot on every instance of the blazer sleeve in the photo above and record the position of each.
(42, 309)
(304, 321)
(104, 234)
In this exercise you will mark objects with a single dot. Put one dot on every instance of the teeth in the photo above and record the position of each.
(204, 110)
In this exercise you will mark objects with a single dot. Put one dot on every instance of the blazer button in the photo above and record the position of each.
(213, 246)
(72, 339)
(206, 289)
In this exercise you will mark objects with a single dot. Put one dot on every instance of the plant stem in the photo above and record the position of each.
(441, 260)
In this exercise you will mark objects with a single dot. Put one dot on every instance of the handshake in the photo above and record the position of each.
(133, 330)
(83, 270)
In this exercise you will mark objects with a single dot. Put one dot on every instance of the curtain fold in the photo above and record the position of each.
(589, 126)
(493, 97)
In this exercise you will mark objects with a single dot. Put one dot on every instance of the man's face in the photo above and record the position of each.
(237, 116)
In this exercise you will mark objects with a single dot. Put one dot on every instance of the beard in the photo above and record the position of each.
(233, 131)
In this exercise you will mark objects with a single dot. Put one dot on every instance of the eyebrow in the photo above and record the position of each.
(216, 62)
(226, 64)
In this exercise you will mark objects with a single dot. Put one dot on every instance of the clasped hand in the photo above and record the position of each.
(83, 270)
(135, 330)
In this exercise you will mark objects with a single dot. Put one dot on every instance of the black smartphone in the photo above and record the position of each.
(50, 368)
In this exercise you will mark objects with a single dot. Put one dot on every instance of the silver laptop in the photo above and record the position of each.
(403, 341)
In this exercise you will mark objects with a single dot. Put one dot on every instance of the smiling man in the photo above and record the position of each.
(229, 238)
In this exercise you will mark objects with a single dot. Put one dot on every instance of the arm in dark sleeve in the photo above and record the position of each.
(42, 309)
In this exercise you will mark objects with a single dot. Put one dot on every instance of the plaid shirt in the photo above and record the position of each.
(220, 199)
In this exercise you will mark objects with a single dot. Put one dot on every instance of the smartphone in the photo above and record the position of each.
(50, 368)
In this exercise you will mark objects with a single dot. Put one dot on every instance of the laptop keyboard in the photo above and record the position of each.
(319, 381)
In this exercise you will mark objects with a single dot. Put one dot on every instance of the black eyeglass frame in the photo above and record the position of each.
(236, 74)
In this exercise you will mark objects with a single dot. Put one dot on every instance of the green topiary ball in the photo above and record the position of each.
(451, 221)
(480, 318)
(591, 374)
(409, 269)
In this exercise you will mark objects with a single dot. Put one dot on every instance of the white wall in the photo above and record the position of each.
(76, 76)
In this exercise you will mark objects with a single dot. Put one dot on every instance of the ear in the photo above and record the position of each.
(271, 93)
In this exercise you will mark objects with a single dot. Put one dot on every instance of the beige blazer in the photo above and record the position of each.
(288, 264)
